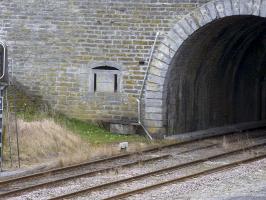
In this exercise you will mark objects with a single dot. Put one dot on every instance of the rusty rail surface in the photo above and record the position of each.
(185, 178)
(91, 173)
(111, 158)
(157, 172)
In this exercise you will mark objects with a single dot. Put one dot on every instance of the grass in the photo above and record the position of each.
(46, 140)
(64, 141)
(31, 110)
(95, 134)
(49, 137)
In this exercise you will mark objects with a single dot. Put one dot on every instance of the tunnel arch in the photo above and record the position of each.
(183, 64)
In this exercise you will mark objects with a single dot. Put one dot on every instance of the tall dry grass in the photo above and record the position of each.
(47, 142)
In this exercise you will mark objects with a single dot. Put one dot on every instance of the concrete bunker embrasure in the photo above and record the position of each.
(210, 70)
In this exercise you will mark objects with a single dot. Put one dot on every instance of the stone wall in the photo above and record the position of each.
(53, 46)
(177, 47)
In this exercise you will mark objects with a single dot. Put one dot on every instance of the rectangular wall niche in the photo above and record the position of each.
(106, 79)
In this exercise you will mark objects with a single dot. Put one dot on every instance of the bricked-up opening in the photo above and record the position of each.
(217, 77)
(106, 79)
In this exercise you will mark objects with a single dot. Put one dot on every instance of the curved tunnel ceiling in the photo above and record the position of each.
(218, 76)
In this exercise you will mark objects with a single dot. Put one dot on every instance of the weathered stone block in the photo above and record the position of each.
(228, 7)
(197, 16)
(236, 6)
(153, 95)
(149, 109)
(186, 26)
(180, 31)
(162, 57)
(156, 79)
(246, 7)
(154, 124)
(122, 129)
(206, 13)
(256, 7)
(219, 5)
(191, 21)
(158, 72)
(263, 8)
(153, 116)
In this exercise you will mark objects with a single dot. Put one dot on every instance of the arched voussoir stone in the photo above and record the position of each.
(208, 17)
(178, 29)
(158, 72)
(236, 7)
(154, 87)
(198, 18)
(262, 8)
(219, 5)
(256, 7)
(166, 50)
(186, 26)
(172, 38)
(191, 21)
(160, 56)
(160, 65)
(228, 7)
(182, 29)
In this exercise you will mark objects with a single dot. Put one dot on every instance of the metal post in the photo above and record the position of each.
(16, 127)
(142, 87)
(3, 76)
(8, 129)
(1, 126)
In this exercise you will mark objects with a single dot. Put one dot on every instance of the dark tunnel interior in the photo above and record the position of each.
(218, 76)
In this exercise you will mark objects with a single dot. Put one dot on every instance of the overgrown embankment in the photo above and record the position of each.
(48, 137)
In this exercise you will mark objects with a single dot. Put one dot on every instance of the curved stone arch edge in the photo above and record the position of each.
(209, 12)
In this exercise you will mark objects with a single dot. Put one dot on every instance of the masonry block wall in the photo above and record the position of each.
(164, 74)
(54, 46)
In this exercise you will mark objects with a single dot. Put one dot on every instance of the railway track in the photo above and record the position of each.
(124, 155)
(115, 184)
(185, 178)
(12, 188)
(90, 163)
(7, 192)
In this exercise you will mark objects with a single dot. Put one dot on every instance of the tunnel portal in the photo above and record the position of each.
(218, 76)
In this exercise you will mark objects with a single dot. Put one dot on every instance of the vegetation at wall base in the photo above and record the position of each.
(50, 138)
(94, 133)
(32, 109)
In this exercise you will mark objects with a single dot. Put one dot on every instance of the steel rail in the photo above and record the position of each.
(86, 164)
(156, 172)
(87, 174)
(185, 178)
(81, 175)
(112, 158)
